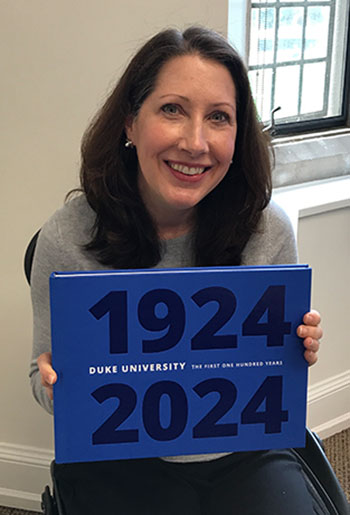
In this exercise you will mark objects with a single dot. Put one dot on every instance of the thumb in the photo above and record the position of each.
(48, 375)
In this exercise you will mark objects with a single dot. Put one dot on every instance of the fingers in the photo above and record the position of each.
(311, 352)
(311, 357)
(311, 349)
(47, 373)
(311, 344)
(312, 318)
(49, 391)
(311, 332)
(310, 327)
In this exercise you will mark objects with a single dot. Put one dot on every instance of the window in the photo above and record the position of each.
(298, 59)
(298, 53)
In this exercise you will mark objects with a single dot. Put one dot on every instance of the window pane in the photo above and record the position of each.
(312, 98)
(261, 84)
(290, 33)
(287, 90)
(302, 48)
(262, 40)
(316, 36)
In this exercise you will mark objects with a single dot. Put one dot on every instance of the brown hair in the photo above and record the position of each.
(124, 233)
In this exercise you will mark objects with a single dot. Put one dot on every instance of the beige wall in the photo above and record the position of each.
(324, 243)
(58, 60)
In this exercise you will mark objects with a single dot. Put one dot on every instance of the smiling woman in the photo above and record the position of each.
(175, 173)
(184, 134)
(213, 106)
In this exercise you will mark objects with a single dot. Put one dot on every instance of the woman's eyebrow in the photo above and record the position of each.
(228, 104)
(215, 104)
(174, 95)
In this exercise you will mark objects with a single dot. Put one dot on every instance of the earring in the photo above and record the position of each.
(128, 143)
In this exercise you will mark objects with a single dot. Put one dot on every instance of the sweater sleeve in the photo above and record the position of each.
(60, 247)
(46, 260)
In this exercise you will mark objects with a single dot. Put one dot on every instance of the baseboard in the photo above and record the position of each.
(25, 470)
(328, 405)
(19, 499)
(25, 454)
(333, 426)
(329, 386)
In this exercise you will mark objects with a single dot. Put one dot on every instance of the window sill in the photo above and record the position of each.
(314, 197)
(311, 157)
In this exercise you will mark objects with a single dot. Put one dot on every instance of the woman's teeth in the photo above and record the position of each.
(187, 170)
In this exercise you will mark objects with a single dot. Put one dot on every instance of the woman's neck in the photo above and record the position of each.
(173, 230)
(174, 224)
(170, 234)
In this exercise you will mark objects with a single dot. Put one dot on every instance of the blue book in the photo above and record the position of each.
(165, 362)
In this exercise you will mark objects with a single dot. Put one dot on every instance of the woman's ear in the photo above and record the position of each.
(129, 123)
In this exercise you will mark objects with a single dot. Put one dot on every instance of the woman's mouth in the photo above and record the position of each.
(186, 169)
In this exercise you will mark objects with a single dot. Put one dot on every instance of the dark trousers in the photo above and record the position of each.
(246, 483)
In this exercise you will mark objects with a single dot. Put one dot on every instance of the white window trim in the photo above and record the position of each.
(313, 198)
(323, 158)
(313, 157)
(238, 21)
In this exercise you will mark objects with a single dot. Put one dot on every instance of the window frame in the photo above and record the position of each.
(318, 124)
(308, 154)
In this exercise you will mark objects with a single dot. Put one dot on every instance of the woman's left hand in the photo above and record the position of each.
(311, 332)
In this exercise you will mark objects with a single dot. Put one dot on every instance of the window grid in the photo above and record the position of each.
(262, 8)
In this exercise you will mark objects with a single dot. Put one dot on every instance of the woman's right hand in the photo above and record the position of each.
(47, 373)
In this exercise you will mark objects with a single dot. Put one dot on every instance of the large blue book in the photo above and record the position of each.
(164, 362)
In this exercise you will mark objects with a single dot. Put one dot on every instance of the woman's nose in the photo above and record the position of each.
(194, 138)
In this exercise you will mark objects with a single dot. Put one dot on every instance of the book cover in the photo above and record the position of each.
(164, 362)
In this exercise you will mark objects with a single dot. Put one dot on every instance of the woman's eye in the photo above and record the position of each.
(220, 116)
(170, 109)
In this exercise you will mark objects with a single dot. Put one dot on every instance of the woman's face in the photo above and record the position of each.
(184, 134)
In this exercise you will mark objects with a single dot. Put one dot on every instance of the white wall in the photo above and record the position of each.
(58, 60)
(324, 243)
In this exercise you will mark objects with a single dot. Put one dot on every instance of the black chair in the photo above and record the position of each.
(320, 475)
(316, 468)
(29, 255)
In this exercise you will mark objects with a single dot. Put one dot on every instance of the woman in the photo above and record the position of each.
(176, 172)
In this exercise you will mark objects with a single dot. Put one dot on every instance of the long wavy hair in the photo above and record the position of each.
(124, 234)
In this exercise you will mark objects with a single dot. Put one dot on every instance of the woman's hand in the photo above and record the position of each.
(311, 332)
(48, 375)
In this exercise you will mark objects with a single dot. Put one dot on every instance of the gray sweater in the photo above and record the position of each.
(59, 248)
